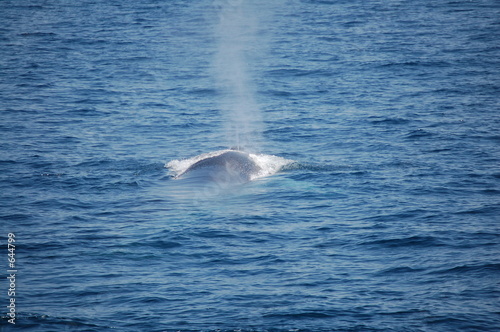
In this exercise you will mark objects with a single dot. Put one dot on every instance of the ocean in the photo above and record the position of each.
(374, 125)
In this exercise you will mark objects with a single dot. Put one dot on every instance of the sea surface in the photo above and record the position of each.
(377, 123)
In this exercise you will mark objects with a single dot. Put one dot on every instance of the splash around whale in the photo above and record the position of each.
(227, 167)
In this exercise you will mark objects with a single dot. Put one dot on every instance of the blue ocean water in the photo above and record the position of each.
(378, 122)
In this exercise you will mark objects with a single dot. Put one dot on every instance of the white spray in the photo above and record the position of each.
(236, 34)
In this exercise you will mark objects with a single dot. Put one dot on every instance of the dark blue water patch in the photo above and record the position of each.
(18, 218)
(420, 242)
(313, 169)
(388, 121)
(155, 243)
(203, 92)
(289, 73)
(306, 315)
(488, 210)
(415, 64)
(50, 248)
(463, 322)
(478, 270)
(37, 322)
(462, 239)
(41, 35)
(86, 112)
(492, 192)
(280, 93)
(400, 270)
(419, 134)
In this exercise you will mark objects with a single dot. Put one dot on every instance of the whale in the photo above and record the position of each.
(230, 167)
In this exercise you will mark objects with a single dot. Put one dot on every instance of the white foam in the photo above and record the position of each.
(269, 164)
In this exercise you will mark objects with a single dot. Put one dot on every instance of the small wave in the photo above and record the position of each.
(303, 315)
(322, 168)
(48, 323)
(417, 134)
(156, 243)
(489, 209)
(414, 241)
(479, 268)
(376, 120)
(399, 270)
(37, 34)
(293, 72)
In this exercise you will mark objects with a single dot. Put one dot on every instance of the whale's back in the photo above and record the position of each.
(230, 166)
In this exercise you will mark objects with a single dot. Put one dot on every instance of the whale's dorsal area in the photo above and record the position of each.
(229, 166)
